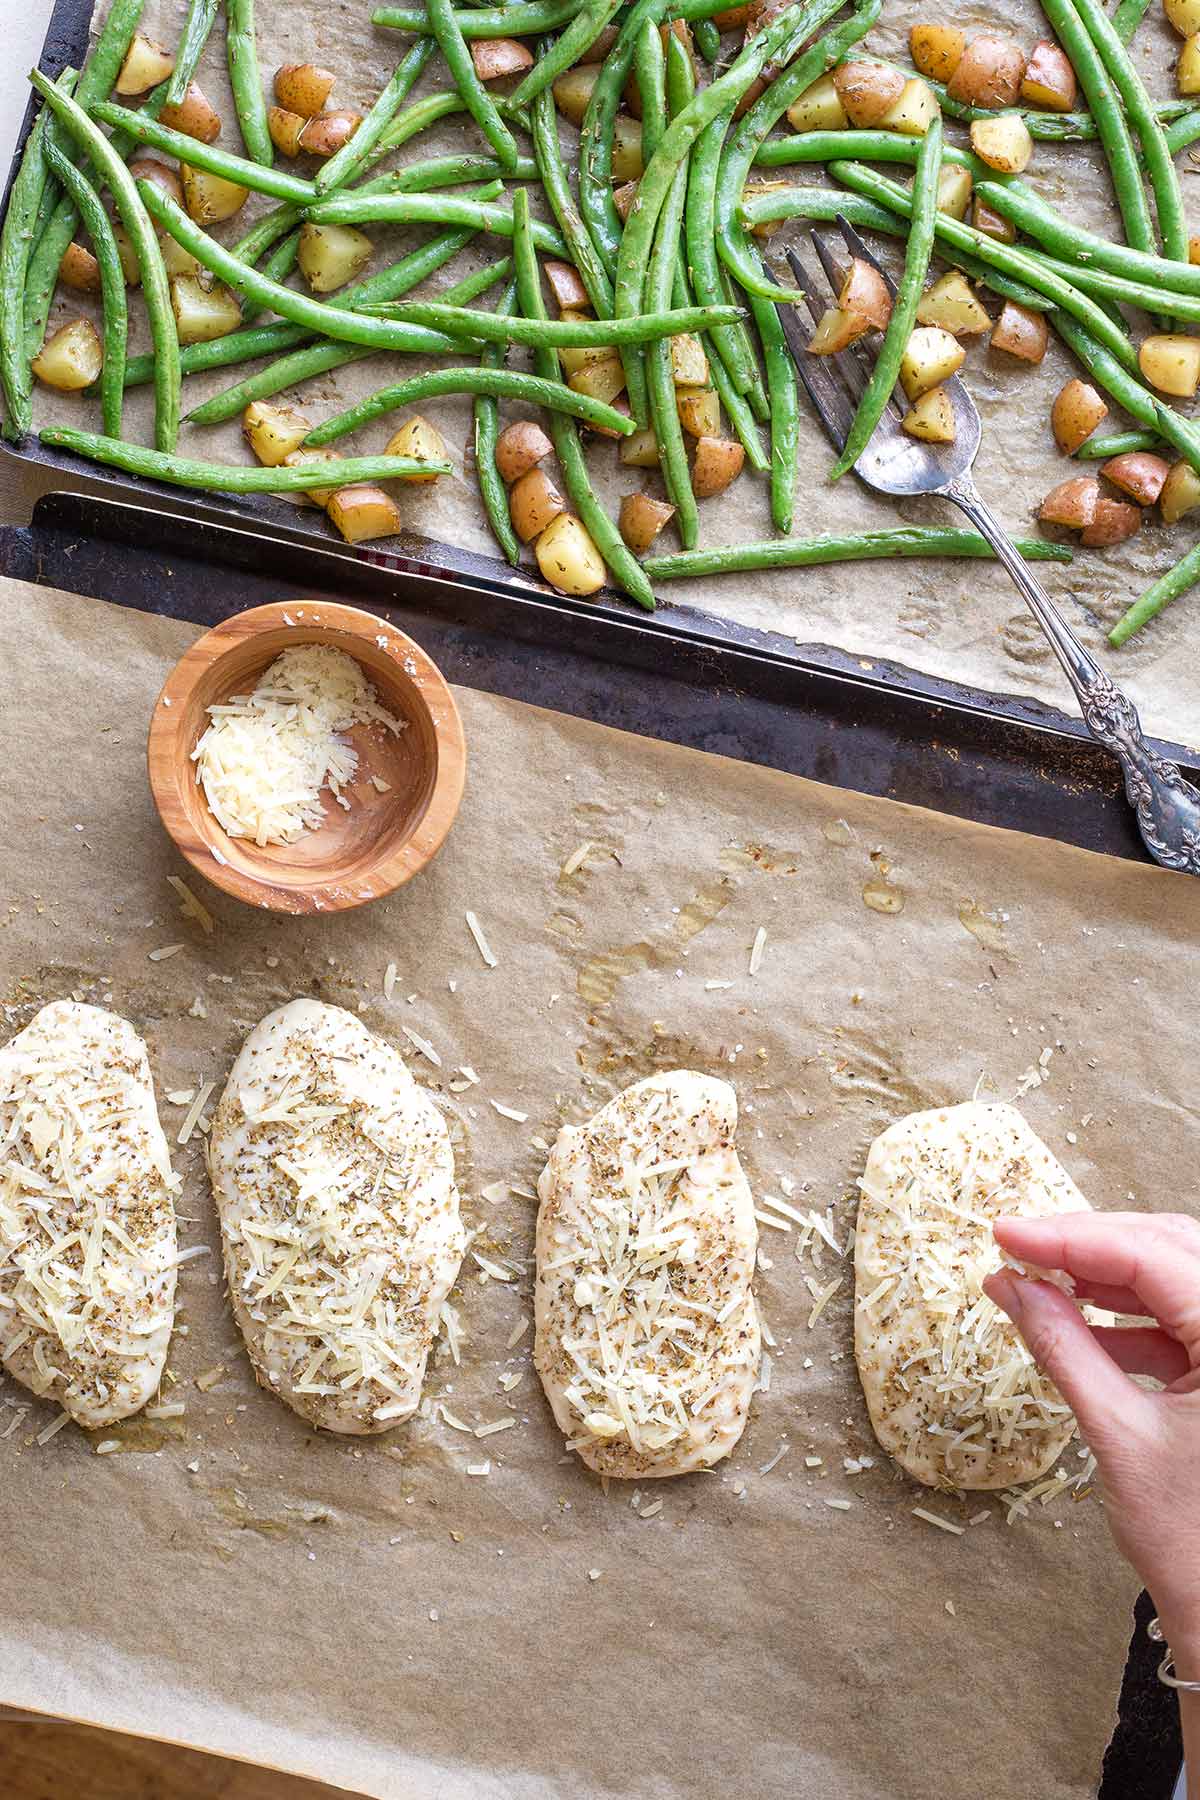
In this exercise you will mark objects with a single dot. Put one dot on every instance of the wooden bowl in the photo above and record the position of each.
(357, 855)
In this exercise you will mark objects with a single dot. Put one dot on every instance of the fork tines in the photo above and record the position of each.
(835, 383)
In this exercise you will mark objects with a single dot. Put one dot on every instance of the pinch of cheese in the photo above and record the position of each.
(87, 1223)
(952, 1391)
(334, 1179)
(647, 1335)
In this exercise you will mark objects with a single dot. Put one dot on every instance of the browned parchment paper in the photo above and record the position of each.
(958, 620)
(373, 1614)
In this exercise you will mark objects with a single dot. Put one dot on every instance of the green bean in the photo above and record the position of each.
(784, 405)
(431, 209)
(1046, 127)
(556, 184)
(708, 40)
(1118, 290)
(16, 237)
(112, 284)
(650, 74)
(1183, 131)
(417, 118)
(1051, 227)
(273, 225)
(1176, 582)
(732, 342)
(596, 135)
(863, 146)
(344, 163)
(1111, 125)
(659, 370)
(155, 290)
(241, 53)
(886, 371)
(528, 19)
(201, 17)
(733, 244)
(277, 267)
(583, 30)
(492, 490)
(223, 352)
(622, 564)
(221, 478)
(314, 359)
(328, 321)
(482, 108)
(446, 171)
(1128, 17)
(1005, 257)
(1120, 443)
(503, 384)
(806, 553)
(556, 334)
(276, 182)
(736, 405)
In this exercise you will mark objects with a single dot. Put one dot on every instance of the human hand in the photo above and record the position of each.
(1146, 1443)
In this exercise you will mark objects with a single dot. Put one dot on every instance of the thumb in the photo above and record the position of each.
(1061, 1343)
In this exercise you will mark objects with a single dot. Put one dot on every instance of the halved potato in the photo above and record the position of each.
(1076, 412)
(573, 90)
(1112, 522)
(1187, 69)
(955, 186)
(1049, 80)
(178, 261)
(627, 162)
(639, 450)
(867, 91)
(568, 558)
(864, 292)
(819, 108)
(699, 411)
(718, 462)
(623, 199)
(1171, 363)
(195, 116)
(494, 57)
(583, 356)
(210, 198)
(145, 65)
(71, 358)
(1072, 503)
(1194, 249)
(915, 110)
(836, 330)
(1184, 15)
(600, 45)
(159, 174)
(989, 72)
(734, 18)
(689, 365)
(533, 502)
(951, 304)
(274, 432)
(286, 129)
(325, 135)
(1003, 143)
(1180, 493)
(79, 270)
(992, 224)
(930, 356)
(131, 268)
(519, 448)
(203, 313)
(936, 50)
(311, 496)
(567, 287)
(331, 255)
(931, 418)
(363, 512)
(641, 519)
(1022, 333)
(1140, 474)
(603, 380)
(303, 88)
(419, 439)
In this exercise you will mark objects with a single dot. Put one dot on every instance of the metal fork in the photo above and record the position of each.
(1167, 806)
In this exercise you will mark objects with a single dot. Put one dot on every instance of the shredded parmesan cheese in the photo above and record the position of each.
(756, 950)
(931, 1518)
(481, 943)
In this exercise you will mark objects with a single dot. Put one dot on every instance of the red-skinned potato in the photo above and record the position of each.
(639, 450)
(699, 411)
(520, 447)
(819, 108)
(1194, 249)
(989, 72)
(325, 135)
(319, 497)
(148, 168)
(600, 46)
(914, 112)
(836, 330)
(195, 116)
(1021, 333)
(1072, 503)
(1170, 361)
(573, 90)
(286, 129)
(718, 462)
(992, 224)
(568, 558)
(1180, 493)
(363, 512)
(71, 359)
(303, 88)
(936, 50)
(274, 433)
(1003, 143)
(864, 292)
(145, 65)
(79, 270)
(211, 198)
(1187, 69)
(867, 91)
(1140, 474)
(931, 418)
(734, 18)
(1076, 412)
(1049, 80)
(566, 286)
(494, 57)
(623, 199)
(642, 518)
(1112, 522)
(627, 149)
(419, 439)
(533, 502)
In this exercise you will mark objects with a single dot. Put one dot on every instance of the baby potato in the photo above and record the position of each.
(1184, 15)
(1022, 333)
(148, 168)
(274, 433)
(419, 439)
(641, 519)
(1049, 80)
(573, 90)
(993, 224)
(1072, 503)
(363, 512)
(603, 380)
(836, 330)
(570, 295)
(1112, 522)
(70, 359)
(600, 45)
(1171, 363)
(819, 108)
(915, 110)
(699, 411)
(331, 255)
(210, 198)
(689, 365)
(1003, 143)
(936, 50)
(1187, 69)
(303, 88)
(533, 503)
(130, 267)
(717, 463)
(931, 356)
(864, 292)
(639, 450)
(494, 57)
(178, 261)
(623, 199)
(1140, 474)
(202, 314)
(79, 270)
(989, 72)
(325, 135)
(931, 418)
(568, 558)
(286, 129)
(1180, 493)
(519, 448)
(1076, 412)
(867, 91)
(195, 116)
(951, 304)
(627, 149)
(955, 185)
(145, 65)
(310, 496)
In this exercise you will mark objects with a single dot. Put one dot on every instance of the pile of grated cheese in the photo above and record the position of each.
(265, 756)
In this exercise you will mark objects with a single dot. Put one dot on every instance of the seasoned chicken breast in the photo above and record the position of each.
(334, 1181)
(647, 1336)
(952, 1392)
(87, 1223)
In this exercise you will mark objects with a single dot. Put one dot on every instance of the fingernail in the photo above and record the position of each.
(1006, 1292)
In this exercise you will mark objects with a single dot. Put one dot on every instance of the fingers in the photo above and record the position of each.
(1155, 1257)
(1112, 1299)
(1140, 1351)
(1062, 1344)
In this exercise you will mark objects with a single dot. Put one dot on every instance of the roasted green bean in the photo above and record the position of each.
(241, 53)
(1177, 581)
(784, 407)
(548, 156)
(344, 163)
(483, 109)
(182, 471)
(16, 238)
(660, 277)
(262, 180)
(431, 209)
(556, 334)
(806, 553)
(492, 490)
(201, 17)
(1120, 443)
(446, 171)
(503, 384)
(1071, 242)
(583, 30)
(115, 311)
(596, 135)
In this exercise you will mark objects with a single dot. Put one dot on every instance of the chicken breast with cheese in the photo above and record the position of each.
(952, 1391)
(88, 1252)
(334, 1180)
(647, 1338)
